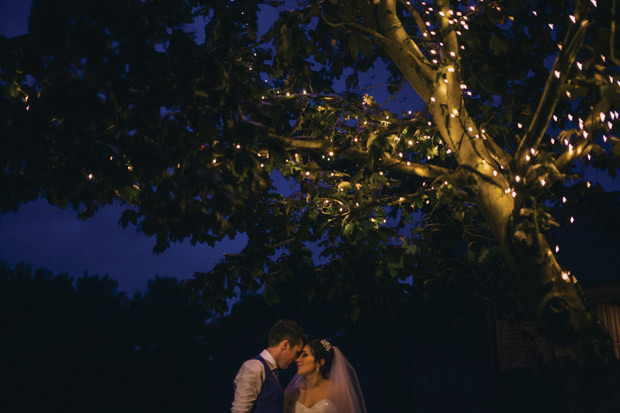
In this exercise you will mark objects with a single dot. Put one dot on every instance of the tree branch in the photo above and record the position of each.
(557, 78)
(404, 52)
(584, 146)
(362, 156)
(416, 16)
(397, 165)
(448, 35)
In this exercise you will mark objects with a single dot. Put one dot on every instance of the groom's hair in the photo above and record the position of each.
(286, 330)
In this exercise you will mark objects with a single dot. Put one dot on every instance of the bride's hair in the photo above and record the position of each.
(322, 350)
(344, 389)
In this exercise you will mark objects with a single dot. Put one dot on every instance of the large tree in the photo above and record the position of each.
(122, 100)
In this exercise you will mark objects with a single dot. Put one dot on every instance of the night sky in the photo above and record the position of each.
(46, 236)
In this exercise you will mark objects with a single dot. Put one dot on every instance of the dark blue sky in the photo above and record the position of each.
(45, 236)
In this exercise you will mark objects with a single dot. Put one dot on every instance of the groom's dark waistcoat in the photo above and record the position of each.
(271, 396)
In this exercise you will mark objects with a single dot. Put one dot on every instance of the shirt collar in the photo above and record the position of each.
(269, 359)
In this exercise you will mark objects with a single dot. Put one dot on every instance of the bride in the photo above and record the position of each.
(325, 382)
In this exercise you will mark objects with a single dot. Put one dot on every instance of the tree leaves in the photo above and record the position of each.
(116, 101)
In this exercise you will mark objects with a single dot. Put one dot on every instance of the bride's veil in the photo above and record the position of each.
(291, 393)
(344, 388)
(345, 391)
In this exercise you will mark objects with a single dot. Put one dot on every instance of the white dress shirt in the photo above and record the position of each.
(249, 381)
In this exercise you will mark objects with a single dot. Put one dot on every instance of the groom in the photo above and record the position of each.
(257, 387)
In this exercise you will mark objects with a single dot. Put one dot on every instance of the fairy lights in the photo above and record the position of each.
(419, 146)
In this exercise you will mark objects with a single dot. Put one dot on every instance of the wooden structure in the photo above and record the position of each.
(519, 344)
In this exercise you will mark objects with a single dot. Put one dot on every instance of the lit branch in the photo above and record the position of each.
(415, 53)
(580, 149)
(362, 156)
(416, 16)
(396, 165)
(584, 146)
(557, 78)
(404, 51)
(448, 35)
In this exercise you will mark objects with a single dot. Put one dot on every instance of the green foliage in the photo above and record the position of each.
(115, 100)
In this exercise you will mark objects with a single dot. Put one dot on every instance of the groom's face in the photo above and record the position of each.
(289, 354)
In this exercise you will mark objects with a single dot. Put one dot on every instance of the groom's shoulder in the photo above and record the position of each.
(251, 368)
(252, 364)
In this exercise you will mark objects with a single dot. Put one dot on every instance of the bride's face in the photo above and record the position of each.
(306, 362)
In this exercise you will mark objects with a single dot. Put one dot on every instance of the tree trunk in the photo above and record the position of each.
(549, 293)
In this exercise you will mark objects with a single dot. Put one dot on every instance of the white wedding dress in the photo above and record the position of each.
(323, 406)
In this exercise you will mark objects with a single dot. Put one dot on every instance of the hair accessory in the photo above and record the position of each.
(326, 345)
